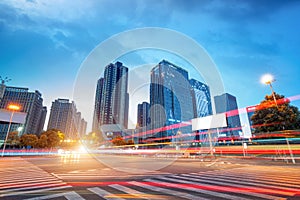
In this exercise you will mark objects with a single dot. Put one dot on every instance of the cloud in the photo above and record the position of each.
(59, 10)
(232, 10)
(49, 36)
(57, 20)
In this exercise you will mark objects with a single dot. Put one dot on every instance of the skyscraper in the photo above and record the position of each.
(121, 100)
(201, 99)
(143, 117)
(170, 98)
(97, 106)
(43, 119)
(30, 103)
(112, 98)
(64, 117)
(227, 103)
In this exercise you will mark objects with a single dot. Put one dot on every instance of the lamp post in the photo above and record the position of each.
(13, 108)
(268, 79)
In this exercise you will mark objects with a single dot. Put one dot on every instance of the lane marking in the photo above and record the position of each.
(68, 195)
(167, 191)
(103, 193)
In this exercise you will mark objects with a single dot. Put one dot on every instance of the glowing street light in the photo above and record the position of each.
(268, 79)
(13, 108)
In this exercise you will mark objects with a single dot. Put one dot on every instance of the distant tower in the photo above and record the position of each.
(225, 103)
(64, 117)
(43, 119)
(143, 117)
(97, 105)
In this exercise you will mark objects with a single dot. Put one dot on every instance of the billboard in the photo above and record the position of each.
(18, 117)
(208, 122)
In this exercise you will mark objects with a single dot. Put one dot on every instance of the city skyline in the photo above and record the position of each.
(44, 44)
(111, 72)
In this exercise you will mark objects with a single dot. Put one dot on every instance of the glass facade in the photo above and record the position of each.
(227, 103)
(170, 100)
(143, 117)
(201, 99)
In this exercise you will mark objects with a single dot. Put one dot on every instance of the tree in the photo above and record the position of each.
(92, 138)
(130, 142)
(43, 141)
(13, 138)
(270, 117)
(29, 140)
(53, 137)
(118, 141)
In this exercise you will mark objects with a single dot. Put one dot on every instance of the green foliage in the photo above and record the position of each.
(270, 117)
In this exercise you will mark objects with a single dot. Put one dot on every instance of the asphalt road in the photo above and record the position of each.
(135, 177)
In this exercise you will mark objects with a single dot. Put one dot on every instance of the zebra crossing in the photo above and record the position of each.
(257, 182)
(96, 174)
(19, 177)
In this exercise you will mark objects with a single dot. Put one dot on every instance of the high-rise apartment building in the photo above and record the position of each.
(112, 98)
(97, 106)
(43, 118)
(30, 103)
(64, 117)
(170, 99)
(226, 103)
(201, 99)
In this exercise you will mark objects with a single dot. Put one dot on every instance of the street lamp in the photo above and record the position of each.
(13, 108)
(268, 79)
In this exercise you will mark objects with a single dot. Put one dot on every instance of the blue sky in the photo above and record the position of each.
(43, 43)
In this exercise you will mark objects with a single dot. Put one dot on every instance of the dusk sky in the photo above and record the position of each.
(44, 43)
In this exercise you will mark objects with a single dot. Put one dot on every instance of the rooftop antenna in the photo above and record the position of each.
(4, 80)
